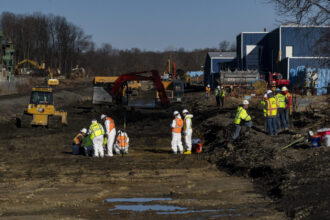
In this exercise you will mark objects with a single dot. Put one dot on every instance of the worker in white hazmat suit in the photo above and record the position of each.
(96, 133)
(110, 130)
(176, 126)
(187, 130)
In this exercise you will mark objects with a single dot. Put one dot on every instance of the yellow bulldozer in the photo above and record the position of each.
(41, 110)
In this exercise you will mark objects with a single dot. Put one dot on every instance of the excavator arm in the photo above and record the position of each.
(116, 90)
(32, 62)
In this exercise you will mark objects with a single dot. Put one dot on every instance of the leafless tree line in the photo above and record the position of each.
(60, 44)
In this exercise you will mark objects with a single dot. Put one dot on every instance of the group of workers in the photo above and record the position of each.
(101, 140)
(220, 94)
(179, 127)
(277, 108)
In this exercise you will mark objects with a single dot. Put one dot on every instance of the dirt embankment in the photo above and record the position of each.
(298, 178)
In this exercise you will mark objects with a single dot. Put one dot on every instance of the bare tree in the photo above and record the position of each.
(224, 46)
(232, 47)
(308, 12)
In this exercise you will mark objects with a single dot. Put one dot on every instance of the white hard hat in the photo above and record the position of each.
(269, 91)
(221, 87)
(265, 96)
(175, 113)
(103, 116)
(284, 89)
(218, 87)
(94, 121)
(245, 102)
(208, 85)
(84, 130)
(184, 111)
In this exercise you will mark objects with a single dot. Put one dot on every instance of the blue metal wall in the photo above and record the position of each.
(252, 60)
(207, 69)
(271, 51)
(299, 67)
(303, 40)
(212, 69)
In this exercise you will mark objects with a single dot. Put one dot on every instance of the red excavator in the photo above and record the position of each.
(117, 89)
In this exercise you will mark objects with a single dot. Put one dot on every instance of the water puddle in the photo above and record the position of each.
(148, 204)
(143, 208)
(136, 200)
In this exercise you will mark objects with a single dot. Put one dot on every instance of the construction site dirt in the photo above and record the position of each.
(250, 179)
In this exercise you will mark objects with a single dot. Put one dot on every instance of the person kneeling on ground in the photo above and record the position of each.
(242, 115)
(77, 141)
(88, 146)
(122, 143)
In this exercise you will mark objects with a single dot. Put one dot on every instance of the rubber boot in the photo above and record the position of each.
(187, 152)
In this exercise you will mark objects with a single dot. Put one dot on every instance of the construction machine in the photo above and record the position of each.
(109, 90)
(51, 81)
(41, 110)
(276, 80)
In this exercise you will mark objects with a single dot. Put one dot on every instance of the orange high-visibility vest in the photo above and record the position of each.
(207, 89)
(178, 125)
(76, 139)
(111, 124)
(122, 141)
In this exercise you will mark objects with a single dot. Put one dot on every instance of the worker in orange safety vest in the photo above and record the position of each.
(122, 143)
(207, 91)
(110, 131)
(78, 140)
(176, 126)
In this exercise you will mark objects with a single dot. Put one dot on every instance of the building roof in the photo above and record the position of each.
(224, 55)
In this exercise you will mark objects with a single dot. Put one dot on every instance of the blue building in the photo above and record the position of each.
(249, 48)
(292, 51)
(212, 65)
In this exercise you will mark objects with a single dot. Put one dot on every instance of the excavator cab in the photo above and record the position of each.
(41, 110)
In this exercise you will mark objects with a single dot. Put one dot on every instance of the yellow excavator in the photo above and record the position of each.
(50, 82)
(41, 110)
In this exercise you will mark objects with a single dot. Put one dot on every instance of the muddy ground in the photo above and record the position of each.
(297, 178)
(41, 179)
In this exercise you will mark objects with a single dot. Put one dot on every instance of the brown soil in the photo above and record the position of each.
(297, 178)
(41, 179)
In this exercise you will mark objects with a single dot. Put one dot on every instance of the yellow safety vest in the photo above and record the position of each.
(223, 93)
(87, 141)
(281, 100)
(263, 103)
(272, 107)
(184, 123)
(96, 130)
(241, 115)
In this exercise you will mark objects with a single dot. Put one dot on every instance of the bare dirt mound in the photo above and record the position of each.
(296, 178)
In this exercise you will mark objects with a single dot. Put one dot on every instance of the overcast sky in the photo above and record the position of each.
(156, 24)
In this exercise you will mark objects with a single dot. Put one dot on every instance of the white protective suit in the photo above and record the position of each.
(187, 132)
(111, 137)
(176, 139)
